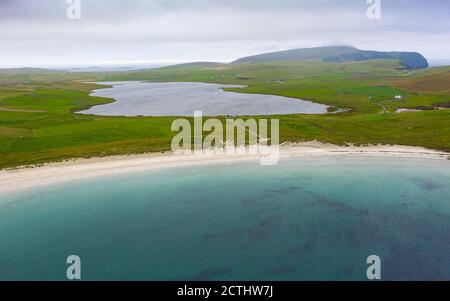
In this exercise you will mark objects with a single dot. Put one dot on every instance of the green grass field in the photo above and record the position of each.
(39, 123)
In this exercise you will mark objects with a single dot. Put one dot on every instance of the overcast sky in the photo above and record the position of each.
(38, 32)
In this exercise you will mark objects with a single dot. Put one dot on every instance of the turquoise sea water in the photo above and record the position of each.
(304, 219)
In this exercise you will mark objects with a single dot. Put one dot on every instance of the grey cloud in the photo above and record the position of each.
(38, 32)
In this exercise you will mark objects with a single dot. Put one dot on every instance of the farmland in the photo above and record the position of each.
(39, 121)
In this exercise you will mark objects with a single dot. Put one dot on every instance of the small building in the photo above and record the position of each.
(398, 97)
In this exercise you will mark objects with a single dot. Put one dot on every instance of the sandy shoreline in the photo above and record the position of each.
(53, 173)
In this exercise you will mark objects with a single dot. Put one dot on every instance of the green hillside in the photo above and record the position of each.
(39, 123)
(337, 54)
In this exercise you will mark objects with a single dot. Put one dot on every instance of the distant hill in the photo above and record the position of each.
(337, 54)
(196, 65)
(10, 71)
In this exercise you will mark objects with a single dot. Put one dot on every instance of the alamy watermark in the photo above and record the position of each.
(73, 271)
(374, 10)
(231, 137)
(73, 11)
(374, 270)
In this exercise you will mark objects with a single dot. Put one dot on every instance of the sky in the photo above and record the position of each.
(39, 33)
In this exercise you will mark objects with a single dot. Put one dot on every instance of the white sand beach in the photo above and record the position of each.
(13, 180)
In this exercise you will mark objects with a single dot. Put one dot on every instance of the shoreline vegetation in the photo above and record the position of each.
(39, 122)
(18, 179)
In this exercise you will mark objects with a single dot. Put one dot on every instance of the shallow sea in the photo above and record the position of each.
(304, 219)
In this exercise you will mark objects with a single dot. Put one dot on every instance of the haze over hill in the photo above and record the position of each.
(338, 54)
(330, 54)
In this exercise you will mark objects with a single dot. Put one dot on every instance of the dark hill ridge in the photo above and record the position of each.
(337, 54)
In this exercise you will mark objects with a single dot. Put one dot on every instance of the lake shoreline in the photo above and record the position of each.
(15, 180)
(181, 99)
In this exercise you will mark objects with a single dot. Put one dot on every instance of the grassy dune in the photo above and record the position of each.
(39, 123)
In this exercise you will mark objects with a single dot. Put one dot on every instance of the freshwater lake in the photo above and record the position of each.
(182, 99)
(304, 219)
